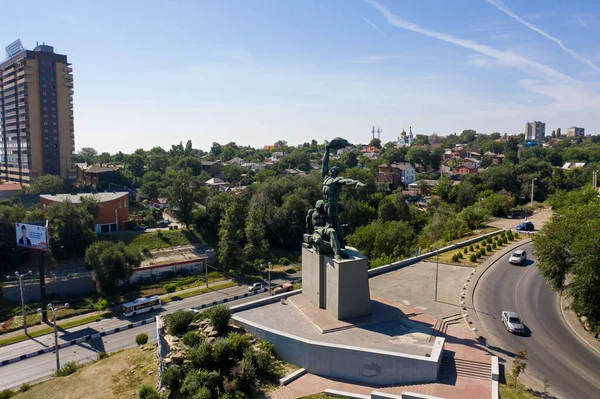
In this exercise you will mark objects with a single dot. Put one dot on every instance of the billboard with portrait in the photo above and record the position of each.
(32, 236)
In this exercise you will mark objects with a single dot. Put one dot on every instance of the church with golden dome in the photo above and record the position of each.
(405, 139)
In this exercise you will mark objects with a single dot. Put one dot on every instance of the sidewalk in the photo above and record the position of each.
(575, 324)
(38, 327)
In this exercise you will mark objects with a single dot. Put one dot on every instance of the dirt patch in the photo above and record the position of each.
(116, 377)
(539, 218)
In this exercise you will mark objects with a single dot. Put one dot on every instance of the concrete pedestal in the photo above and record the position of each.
(339, 286)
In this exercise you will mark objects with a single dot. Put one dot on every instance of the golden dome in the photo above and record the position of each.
(402, 133)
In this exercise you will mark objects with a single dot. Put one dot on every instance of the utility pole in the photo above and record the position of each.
(270, 264)
(437, 262)
(20, 277)
(532, 186)
(54, 310)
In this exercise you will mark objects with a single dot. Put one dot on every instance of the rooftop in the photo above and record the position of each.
(10, 186)
(76, 198)
(101, 168)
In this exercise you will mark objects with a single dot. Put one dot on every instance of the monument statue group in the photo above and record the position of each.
(324, 231)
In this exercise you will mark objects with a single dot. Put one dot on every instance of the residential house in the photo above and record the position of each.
(217, 184)
(497, 159)
(9, 189)
(159, 202)
(254, 166)
(113, 214)
(458, 152)
(447, 155)
(425, 184)
(573, 165)
(350, 148)
(268, 147)
(371, 155)
(277, 155)
(396, 174)
(466, 169)
(471, 162)
(370, 149)
(214, 168)
(91, 175)
(474, 155)
(236, 161)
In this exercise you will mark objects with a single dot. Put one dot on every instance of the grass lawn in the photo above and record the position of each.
(183, 295)
(473, 234)
(116, 377)
(508, 390)
(142, 242)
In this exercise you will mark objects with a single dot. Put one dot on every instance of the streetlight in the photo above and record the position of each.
(270, 264)
(54, 310)
(437, 262)
(20, 277)
(532, 186)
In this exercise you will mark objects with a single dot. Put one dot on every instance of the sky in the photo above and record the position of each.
(154, 73)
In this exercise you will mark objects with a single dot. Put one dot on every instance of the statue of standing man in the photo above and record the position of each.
(331, 191)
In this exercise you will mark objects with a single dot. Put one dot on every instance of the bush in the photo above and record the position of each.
(198, 380)
(148, 392)
(24, 388)
(482, 251)
(489, 240)
(471, 248)
(221, 352)
(263, 361)
(516, 235)
(477, 246)
(489, 248)
(509, 234)
(191, 339)
(460, 255)
(202, 356)
(495, 238)
(171, 378)
(141, 339)
(504, 240)
(494, 245)
(503, 234)
(6, 394)
(101, 304)
(67, 369)
(239, 343)
(268, 347)
(102, 355)
(219, 317)
(284, 261)
(478, 254)
(178, 322)
(171, 287)
(473, 258)
(454, 258)
(246, 375)
(202, 393)
(465, 250)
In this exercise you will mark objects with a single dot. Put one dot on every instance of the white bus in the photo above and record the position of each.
(142, 305)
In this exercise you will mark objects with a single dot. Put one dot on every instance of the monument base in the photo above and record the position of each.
(339, 286)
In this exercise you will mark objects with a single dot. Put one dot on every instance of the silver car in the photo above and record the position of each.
(518, 257)
(512, 322)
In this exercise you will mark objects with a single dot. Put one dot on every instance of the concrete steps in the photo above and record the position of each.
(441, 325)
(425, 389)
(452, 367)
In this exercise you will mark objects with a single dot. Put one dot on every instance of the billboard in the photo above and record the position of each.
(32, 236)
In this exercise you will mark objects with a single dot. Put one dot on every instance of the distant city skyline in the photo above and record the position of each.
(155, 75)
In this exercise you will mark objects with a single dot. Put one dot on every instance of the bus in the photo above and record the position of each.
(142, 305)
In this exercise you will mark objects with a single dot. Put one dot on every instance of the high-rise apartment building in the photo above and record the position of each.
(535, 131)
(574, 131)
(36, 114)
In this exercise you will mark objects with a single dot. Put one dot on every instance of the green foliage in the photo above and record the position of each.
(171, 287)
(473, 258)
(197, 380)
(504, 240)
(516, 235)
(178, 322)
(183, 193)
(489, 240)
(510, 235)
(482, 250)
(379, 238)
(219, 316)
(496, 238)
(471, 248)
(111, 262)
(494, 245)
(460, 255)
(498, 204)
(67, 369)
(246, 376)
(148, 392)
(141, 339)
(264, 362)
(478, 254)
(465, 250)
(231, 234)
(202, 355)
(101, 304)
(48, 184)
(267, 347)
(102, 356)
(477, 246)
(24, 388)
(284, 261)
(222, 353)
(393, 207)
(71, 229)
(489, 248)
(454, 258)
(519, 364)
(382, 260)
(239, 343)
(7, 394)
(171, 378)
(191, 339)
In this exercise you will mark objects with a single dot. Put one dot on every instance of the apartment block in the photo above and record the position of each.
(535, 131)
(574, 131)
(36, 115)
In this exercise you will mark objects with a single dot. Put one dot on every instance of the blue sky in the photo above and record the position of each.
(153, 73)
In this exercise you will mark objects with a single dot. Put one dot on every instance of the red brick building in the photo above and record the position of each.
(114, 208)
(466, 169)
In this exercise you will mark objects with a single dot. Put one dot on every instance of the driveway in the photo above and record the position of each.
(539, 218)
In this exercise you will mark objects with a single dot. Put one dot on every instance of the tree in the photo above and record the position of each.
(87, 154)
(111, 262)
(393, 207)
(443, 188)
(71, 229)
(519, 364)
(47, 184)
(232, 173)
(379, 238)
(157, 160)
(134, 164)
(468, 136)
(183, 192)
(231, 235)
(375, 143)
(192, 164)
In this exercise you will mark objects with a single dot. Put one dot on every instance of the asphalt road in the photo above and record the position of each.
(40, 367)
(554, 351)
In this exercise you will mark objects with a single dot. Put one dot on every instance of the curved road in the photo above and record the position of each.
(553, 349)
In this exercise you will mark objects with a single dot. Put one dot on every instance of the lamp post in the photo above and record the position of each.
(20, 277)
(54, 310)
(437, 262)
(270, 264)
(532, 186)
(595, 179)
(116, 220)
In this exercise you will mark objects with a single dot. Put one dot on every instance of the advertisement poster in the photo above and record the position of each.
(32, 236)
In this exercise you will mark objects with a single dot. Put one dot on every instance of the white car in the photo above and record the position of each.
(512, 322)
(255, 287)
(518, 257)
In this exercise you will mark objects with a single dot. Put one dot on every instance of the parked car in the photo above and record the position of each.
(512, 322)
(526, 226)
(137, 227)
(255, 287)
(518, 257)
(162, 224)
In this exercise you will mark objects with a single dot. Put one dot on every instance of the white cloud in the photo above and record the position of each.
(479, 61)
(237, 55)
(504, 8)
(371, 59)
(374, 26)
(507, 58)
(580, 20)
